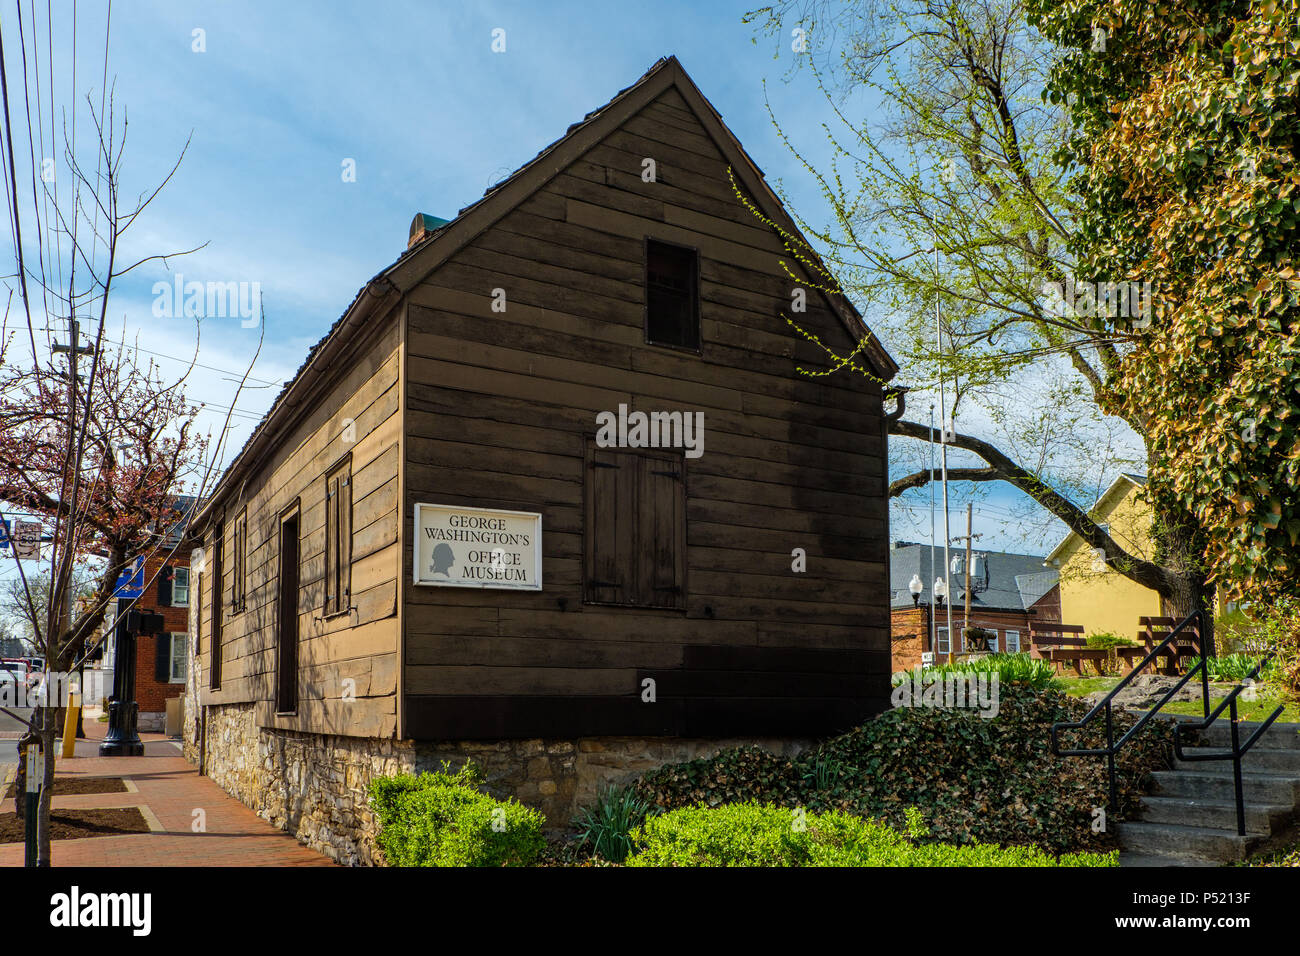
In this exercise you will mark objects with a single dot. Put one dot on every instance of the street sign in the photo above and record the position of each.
(130, 583)
(27, 539)
(4, 533)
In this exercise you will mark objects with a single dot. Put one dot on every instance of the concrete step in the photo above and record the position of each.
(1186, 843)
(1149, 859)
(1259, 758)
(1264, 819)
(1217, 785)
(1277, 737)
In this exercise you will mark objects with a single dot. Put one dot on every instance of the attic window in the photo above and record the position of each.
(672, 296)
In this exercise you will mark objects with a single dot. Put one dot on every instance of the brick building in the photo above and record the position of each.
(161, 661)
(1007, 591)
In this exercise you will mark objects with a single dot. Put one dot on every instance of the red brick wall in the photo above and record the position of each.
(149, 693)
(910, 630)
(909, 635)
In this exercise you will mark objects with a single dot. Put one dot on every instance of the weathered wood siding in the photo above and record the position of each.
(499, 410)
(358, 412)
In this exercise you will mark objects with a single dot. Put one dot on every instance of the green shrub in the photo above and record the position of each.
(1010, 668)
(730, 776)
(1234, 667)
(975, 780)
(607, 826)
(750, 834)
(1105, 640)
(444, 819)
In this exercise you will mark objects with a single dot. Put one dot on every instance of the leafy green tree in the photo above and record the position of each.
(959, 152)
(1185, 119)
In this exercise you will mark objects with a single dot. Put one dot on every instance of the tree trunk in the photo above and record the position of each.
(1190, 594)
(47, 790)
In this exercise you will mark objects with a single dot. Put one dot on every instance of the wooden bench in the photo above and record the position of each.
(1131, 655)
(1065, 644)
(1153, 630)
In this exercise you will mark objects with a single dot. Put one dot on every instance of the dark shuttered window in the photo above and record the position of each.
(218, 587)
(165, 587)
(338, 539)
(239, 563)
(672, 295)
(635, 534)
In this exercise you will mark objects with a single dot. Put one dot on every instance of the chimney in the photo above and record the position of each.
(423, 226)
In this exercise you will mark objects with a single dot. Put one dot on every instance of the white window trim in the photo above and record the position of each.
(941, 641)
(175, 637)
(1006, 634)
(186, 602)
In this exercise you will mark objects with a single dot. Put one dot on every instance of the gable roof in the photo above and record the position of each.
(1124, 483)
(417, 262)
(1003, 592)
(1035, 586)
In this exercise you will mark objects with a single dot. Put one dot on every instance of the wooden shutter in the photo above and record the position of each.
(165, 587)
(661, 514)
(338, 539)
(239, 566)
(218, 573)
(162, 663)
(611, 530)
(345, 538)
(331, 543)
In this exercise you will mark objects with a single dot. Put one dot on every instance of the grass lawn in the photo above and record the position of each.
(1083, 686)
(1266, 699)
(1265, 702)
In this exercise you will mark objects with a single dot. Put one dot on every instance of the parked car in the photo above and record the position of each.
(14, 673)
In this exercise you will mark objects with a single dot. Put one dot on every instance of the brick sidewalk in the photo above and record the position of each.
(169, 791)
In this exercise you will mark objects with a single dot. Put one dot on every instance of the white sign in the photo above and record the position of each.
(478, 548)
(27, 539)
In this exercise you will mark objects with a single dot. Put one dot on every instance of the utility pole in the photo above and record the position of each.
(943, 453)
(934, 625)
(73, 349)
(968, 538)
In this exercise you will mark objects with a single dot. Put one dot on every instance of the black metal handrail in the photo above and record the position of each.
(1112, 745)
(1239, 749)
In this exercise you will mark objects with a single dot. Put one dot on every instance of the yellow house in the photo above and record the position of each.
(1094, 594)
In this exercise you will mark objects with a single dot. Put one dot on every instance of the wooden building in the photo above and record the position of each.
(599, 606)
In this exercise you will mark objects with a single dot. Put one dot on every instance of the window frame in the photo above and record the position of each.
(178, 640)
(640, 458)
(218, 611)
(239, 559)
(941, 643)
(338, 603)
(1007, 640)
(186, 589)
(696, 296)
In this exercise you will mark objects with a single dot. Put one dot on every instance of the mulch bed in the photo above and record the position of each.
(68, 786)
(76, 824)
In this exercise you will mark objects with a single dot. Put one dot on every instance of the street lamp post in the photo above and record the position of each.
(940, 596)
(123, 737)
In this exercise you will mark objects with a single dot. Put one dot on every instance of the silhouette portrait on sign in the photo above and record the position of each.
(443, 559)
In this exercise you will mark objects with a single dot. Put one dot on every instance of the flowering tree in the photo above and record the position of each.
(94, 442)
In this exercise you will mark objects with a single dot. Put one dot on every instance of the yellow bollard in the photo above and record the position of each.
(70, 725)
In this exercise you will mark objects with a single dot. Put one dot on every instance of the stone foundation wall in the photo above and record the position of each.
(315, 785)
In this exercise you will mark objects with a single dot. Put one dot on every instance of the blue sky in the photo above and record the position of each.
(283, 95)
